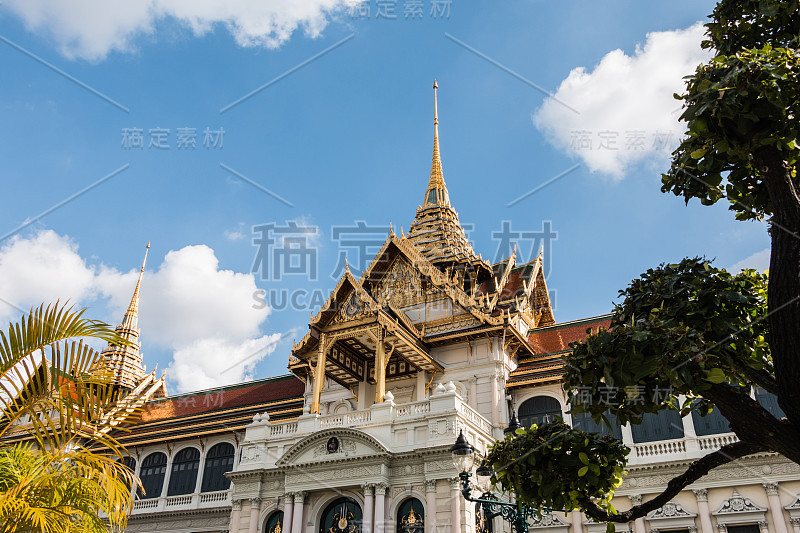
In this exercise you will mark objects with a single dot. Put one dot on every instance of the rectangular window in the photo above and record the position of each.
(749, 528)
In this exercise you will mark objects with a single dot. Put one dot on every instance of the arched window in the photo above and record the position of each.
(584, 422)
(664, 425)
(483, 524)
(218, 461)
(411, 517)
(154, 468)
(711, 424)
(274, 523)
(130, 462)
(769, 402)
(183, 476)
(343, 515)
(539, 410)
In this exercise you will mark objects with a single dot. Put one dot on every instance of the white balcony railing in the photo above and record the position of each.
(678, 449)
(434, 421)
(715, 442)
(353, 418)
(183, 502)
(664, 447)
(174, 501)
(214, 497)
(412, 409)
(151, 503)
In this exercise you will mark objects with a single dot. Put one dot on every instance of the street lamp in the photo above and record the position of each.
(463, 454)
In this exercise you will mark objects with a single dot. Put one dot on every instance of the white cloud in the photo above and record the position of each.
(234, 235)
(211, 362)
(41, 269)
(622, 95)
(188, 305)
(758, 261)
(90, 29)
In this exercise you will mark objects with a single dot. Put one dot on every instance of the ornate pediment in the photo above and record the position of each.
(332, 445)
(548, 520)
(352, 308)
(400, 283)
(738, 504)
(669, 510)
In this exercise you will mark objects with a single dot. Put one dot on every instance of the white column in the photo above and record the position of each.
(288, 508)
(577, 522)
(387, 515)
(627, 435)
(369, 509)
(775, 508)
(380, 503)
(201, 469)
(638, 524)
(430, 503)
(455, 505)
(255, 513)
(496, 400)
(167, 476)
(701, 495)
(763, 526)
(473, 392)
(236, 516)
(297, 512)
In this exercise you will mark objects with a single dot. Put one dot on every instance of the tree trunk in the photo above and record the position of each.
(784, 278)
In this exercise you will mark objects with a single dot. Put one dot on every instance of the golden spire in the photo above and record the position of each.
(131, 319)
(436, 193)
(126, 361)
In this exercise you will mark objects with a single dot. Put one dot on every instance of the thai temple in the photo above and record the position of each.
(430, 341)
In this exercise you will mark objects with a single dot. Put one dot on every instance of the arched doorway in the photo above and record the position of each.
(275, 523)
(411, 517)
(483, 524)
(342, 515)
(539, 410)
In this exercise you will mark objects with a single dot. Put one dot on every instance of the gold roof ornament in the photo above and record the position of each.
(126, 361)
(436, 193)
(436, 232)
(131, 319)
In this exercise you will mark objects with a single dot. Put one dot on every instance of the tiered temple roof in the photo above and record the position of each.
(422, 290)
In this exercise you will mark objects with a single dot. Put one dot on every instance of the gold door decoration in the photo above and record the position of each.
(411, 518)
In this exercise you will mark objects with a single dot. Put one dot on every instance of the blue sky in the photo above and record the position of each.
(347, 137)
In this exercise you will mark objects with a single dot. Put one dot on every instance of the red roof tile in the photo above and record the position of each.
(557, 338)
(257, 392)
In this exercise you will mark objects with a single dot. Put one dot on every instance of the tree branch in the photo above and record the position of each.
(762, 378)
(696, 470)
(754, 424)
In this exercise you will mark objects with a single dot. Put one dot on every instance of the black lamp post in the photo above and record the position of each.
(464, 458)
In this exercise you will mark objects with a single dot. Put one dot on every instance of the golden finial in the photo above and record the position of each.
(436, 193)
(131, 319)
(346, 265)
(391, 229)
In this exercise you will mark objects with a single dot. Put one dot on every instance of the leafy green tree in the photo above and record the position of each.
(706, 335)
(59, 464)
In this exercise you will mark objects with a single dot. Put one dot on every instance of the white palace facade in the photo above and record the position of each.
(431, 340)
